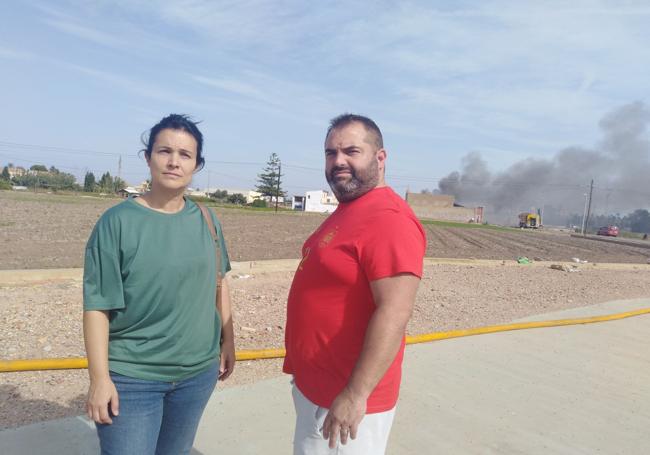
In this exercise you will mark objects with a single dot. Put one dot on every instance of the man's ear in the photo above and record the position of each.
(381, 156)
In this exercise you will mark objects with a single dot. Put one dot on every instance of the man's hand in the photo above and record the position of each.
(227, 362)
(344, 417)
(101, 394)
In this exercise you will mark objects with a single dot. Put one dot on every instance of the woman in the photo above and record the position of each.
(154, 341)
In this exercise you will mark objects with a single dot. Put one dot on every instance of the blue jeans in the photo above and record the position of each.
(157, 418)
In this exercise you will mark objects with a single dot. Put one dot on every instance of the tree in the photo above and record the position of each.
(106, 182)
(38, 167)
(118, 184)
(5, 174)
(270, 181)
(60, 181)
(89, 182)
(237, 198)
(639, 220)
(220, 194)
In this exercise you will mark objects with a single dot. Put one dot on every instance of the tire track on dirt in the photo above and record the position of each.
(466, 236)
(435, 238)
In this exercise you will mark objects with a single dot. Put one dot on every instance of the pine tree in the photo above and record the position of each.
(89, 182)
(118, 184)
(5, 174)
(270, 181)
(106, 182)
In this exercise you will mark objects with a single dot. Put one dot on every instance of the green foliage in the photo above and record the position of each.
(220, 195)
(89, 182)
(270, 181)
(200, 198)
(259, 203)
(237, 198)
(45, 179)
(38, 167)
(5, 174)
(639, 220)
(5, 184)
(466, 225)
(118, 184)
(106, 183)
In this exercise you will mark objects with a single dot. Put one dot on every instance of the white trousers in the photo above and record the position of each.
(372, 433)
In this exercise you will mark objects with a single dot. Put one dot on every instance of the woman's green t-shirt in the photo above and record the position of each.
(156, 274)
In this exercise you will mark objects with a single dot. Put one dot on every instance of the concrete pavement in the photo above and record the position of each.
(565, 390)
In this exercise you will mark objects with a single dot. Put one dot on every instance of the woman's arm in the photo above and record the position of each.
(227, 364)
(101, 391)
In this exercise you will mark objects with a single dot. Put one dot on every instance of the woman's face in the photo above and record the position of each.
(173, 159)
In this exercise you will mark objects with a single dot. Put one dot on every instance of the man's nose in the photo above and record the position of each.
(339, 160)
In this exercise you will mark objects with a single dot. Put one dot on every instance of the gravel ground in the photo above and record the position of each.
(44, 320)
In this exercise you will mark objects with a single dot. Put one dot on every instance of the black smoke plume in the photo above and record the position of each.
(619, 165)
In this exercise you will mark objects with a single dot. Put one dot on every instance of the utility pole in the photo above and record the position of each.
(207, 191)
(277, 192)
(119, 167)
(584, 216)
(591, 191)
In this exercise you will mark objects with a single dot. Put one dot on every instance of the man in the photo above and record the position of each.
(350, 301)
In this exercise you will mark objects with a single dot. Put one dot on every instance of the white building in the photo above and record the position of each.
(320, 201)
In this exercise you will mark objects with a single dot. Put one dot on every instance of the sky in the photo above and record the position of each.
(507, 81)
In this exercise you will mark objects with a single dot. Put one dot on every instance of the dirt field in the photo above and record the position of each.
(44, 320)
(47, 231)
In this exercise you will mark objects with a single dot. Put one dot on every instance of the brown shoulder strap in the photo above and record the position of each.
(215, 237)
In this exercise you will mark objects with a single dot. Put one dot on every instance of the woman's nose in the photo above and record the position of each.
(172, 160)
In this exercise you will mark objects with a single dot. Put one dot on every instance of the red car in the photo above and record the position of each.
(611, 231)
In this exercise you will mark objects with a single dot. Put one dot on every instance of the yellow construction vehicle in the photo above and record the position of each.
(530, 220)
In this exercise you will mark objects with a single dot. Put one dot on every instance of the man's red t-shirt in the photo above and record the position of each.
(330, 302)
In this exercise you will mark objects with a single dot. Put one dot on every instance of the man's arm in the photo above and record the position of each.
(227, 362)
(394, 297)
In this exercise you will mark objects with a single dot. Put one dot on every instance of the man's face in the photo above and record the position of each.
(353, 164)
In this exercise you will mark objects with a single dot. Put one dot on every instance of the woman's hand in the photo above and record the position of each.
(227, 363)
(102, 394)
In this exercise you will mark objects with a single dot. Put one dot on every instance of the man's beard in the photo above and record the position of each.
(360, 182)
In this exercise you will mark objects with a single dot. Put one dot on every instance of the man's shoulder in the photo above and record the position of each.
(389, 205)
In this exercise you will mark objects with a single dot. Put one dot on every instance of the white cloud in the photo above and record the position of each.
(147, 90)
(86, 33)
(15, 54)
(234, 86)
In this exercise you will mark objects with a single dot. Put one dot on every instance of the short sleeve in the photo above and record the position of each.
(392, 244)
(225, 259)
(102, 284)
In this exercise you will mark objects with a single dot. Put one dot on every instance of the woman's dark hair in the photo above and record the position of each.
(175, 122)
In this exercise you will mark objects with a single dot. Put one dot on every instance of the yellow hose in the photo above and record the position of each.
(82, 362)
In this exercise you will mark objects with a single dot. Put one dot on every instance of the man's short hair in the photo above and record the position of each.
(371, 127)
